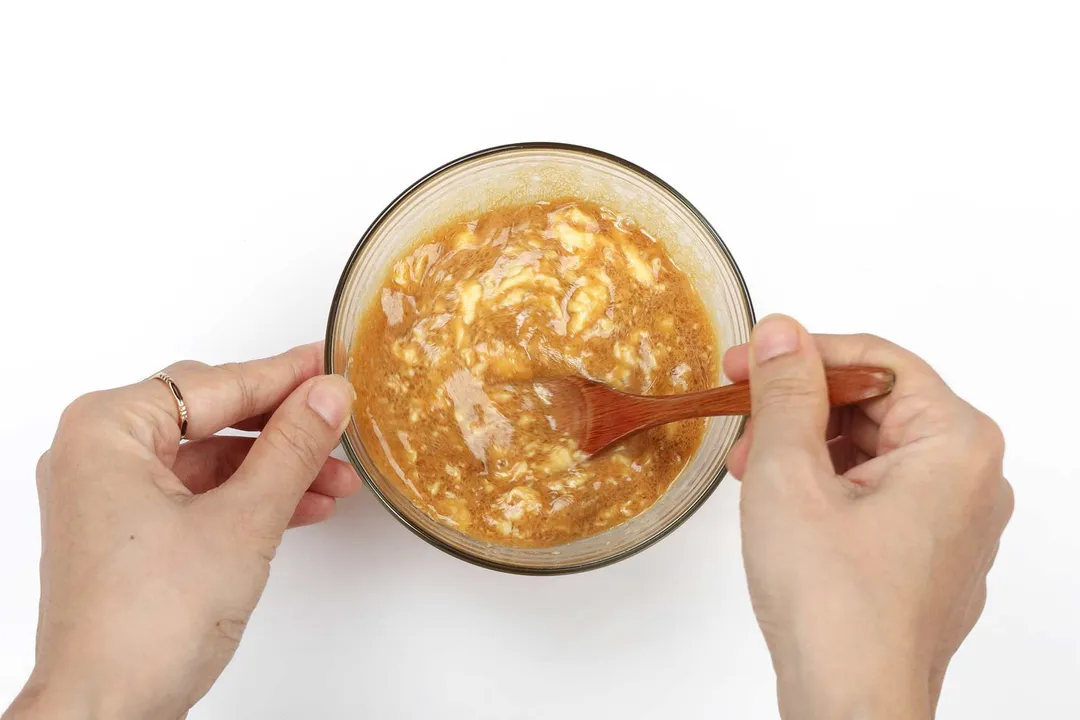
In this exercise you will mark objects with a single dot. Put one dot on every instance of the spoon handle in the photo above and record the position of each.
(846, 385)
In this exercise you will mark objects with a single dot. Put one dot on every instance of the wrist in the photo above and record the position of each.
(863, 688)
(40, 700)
(32, 704)
(884, 702)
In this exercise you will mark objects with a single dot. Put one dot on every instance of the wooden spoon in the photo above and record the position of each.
(595, 415)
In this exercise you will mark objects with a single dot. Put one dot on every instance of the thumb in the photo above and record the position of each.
(789, 399)
(288, 454)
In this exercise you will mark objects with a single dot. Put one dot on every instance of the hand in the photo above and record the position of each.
(866, 556)
(155, 553)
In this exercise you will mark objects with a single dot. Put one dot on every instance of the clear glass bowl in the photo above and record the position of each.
(523, 173)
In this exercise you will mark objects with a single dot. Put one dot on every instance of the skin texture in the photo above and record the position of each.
(866, 555)
(867, 533)
(155, 553)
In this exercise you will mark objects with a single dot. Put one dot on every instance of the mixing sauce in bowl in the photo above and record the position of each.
(478, 309)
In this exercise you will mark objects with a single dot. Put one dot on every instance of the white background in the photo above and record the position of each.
(188, 179)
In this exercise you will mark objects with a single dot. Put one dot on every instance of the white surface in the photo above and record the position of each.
(188, 181)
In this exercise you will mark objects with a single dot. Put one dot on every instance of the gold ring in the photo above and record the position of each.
(180, 406)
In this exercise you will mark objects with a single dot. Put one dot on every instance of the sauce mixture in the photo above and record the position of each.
(479, 308)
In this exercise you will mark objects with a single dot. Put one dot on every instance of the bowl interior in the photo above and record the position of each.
(527, 173)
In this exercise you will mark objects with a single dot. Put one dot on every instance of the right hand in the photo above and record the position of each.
(866, 555)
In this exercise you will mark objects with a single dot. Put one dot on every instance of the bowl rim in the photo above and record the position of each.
(350, 451)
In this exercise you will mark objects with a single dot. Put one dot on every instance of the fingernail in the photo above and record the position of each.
(331, 398)
(773, 337)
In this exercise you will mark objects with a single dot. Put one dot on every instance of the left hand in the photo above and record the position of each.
(154, 552)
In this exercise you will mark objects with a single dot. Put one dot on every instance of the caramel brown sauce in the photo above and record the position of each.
(480, 307)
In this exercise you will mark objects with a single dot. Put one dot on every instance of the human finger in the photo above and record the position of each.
(220, 396)
(287, 456)
(789, 401)
(913, 374)
(205, 464)
(736, 459)
(313, 508)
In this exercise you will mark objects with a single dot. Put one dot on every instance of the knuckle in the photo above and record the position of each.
(978, 449)
(296, 367)
(919, 415)
(990, 435)
(983, 444)
(1006, 502)
(185, 366)
(79, 406)
(786, 391)
(868, 345)
(295, 441)
(82, 408)
(878, 350)
(244, 387)
(870, 339)
(41, 471)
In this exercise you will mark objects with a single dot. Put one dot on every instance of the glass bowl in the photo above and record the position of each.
(522, 173)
